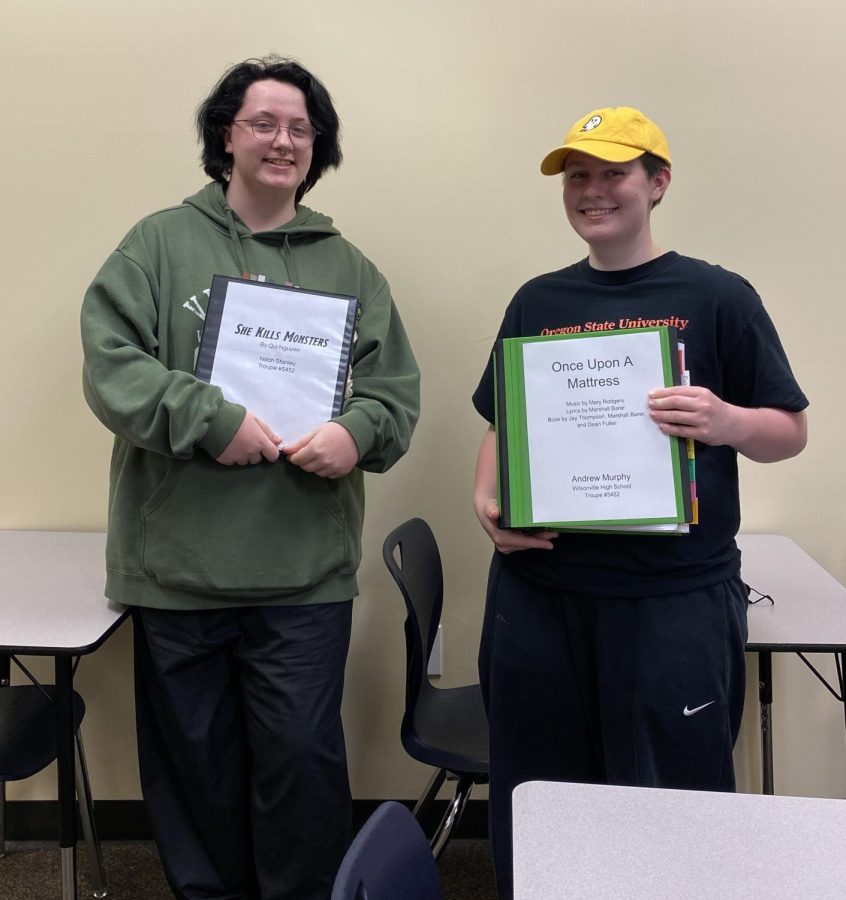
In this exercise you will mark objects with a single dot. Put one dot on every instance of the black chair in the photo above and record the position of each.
(443, 727)
(389, 859)
(28, 744)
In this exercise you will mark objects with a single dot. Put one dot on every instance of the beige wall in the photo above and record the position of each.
(448, 106)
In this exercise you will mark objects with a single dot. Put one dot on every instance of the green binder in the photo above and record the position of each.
(576, 448)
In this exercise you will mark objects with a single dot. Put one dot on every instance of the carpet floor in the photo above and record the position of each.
(133, 872)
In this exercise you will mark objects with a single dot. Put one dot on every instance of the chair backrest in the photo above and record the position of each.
(389, 859)
(419, 576)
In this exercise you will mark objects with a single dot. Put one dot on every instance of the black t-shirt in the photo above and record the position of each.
(731, 347)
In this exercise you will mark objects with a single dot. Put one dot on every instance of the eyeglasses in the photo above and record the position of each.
(301, 134)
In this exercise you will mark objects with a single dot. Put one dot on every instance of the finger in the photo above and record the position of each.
(298, 446)
(676, 390)
(511, 546)
(309, 458)
(674, 401)
(270, 452)
(291, 449)
(508, 541)
(674, 429)
(304, 457)
(271, 434)
(673, 416)
(319, 468)
(666, 393)
(536, 542)
(658, 393)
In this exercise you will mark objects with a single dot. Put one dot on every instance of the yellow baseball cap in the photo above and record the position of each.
(615, 134)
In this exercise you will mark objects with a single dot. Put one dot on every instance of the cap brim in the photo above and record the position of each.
(553, 162)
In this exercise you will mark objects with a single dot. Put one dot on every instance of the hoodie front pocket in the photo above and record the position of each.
(258, 531)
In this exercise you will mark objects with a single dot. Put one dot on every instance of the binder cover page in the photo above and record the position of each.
(580, 446)
(281, 352)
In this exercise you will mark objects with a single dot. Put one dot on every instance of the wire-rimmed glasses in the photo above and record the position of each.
(264, 129)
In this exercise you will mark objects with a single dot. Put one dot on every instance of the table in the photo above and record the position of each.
(591, 841)
(808, 615)
(52, 604)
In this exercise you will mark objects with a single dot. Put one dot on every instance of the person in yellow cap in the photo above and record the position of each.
(619, 658)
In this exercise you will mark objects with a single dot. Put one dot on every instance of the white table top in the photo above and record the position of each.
(51, 592)
(809, 612)
(602, 842)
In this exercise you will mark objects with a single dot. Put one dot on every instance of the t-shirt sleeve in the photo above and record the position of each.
(483, 396)
(757, 371)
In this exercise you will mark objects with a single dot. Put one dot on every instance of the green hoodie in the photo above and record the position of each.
(184, 531)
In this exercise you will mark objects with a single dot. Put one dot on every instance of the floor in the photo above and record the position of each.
(33, 872)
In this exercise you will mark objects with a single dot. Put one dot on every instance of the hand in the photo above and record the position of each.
(507, 540)
(328, 451)
(692, 412)
(253, 441)
(763, 434)
(487, 511)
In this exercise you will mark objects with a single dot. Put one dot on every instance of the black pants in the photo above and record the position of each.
(241, 748)
(644, 691)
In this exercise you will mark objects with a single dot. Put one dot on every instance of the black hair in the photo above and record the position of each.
(653, 165)
(216, 112)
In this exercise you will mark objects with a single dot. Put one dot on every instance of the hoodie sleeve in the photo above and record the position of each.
(385, 402)
(128, 387)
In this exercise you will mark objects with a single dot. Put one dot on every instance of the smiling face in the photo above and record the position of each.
(267, 172)
(609, 205)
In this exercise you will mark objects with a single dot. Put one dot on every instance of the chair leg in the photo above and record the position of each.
(2, 819)
(429, 792)
(89, 826)
(452, 815)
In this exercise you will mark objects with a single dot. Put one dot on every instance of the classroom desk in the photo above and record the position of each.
(52, 604)
(601, 842)
(808, 615)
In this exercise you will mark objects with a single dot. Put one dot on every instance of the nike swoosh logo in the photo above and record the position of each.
(696, 709)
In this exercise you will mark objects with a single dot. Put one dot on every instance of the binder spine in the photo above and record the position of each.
(347, 347)
(501, 419)
(211, 328)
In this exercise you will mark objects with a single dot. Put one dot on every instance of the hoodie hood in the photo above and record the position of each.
(211, 202)
(306, 225)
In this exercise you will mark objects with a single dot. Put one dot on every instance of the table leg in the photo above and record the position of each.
(841, 670)
(65, 764)
(765, 698)
(5, 665)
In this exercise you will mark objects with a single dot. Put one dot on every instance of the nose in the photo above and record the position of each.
(283, 137)
(592, 186)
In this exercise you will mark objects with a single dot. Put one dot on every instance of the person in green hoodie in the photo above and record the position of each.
(237, 547)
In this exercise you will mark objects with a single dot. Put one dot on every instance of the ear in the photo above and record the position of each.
(227, 139)
(660, 183)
